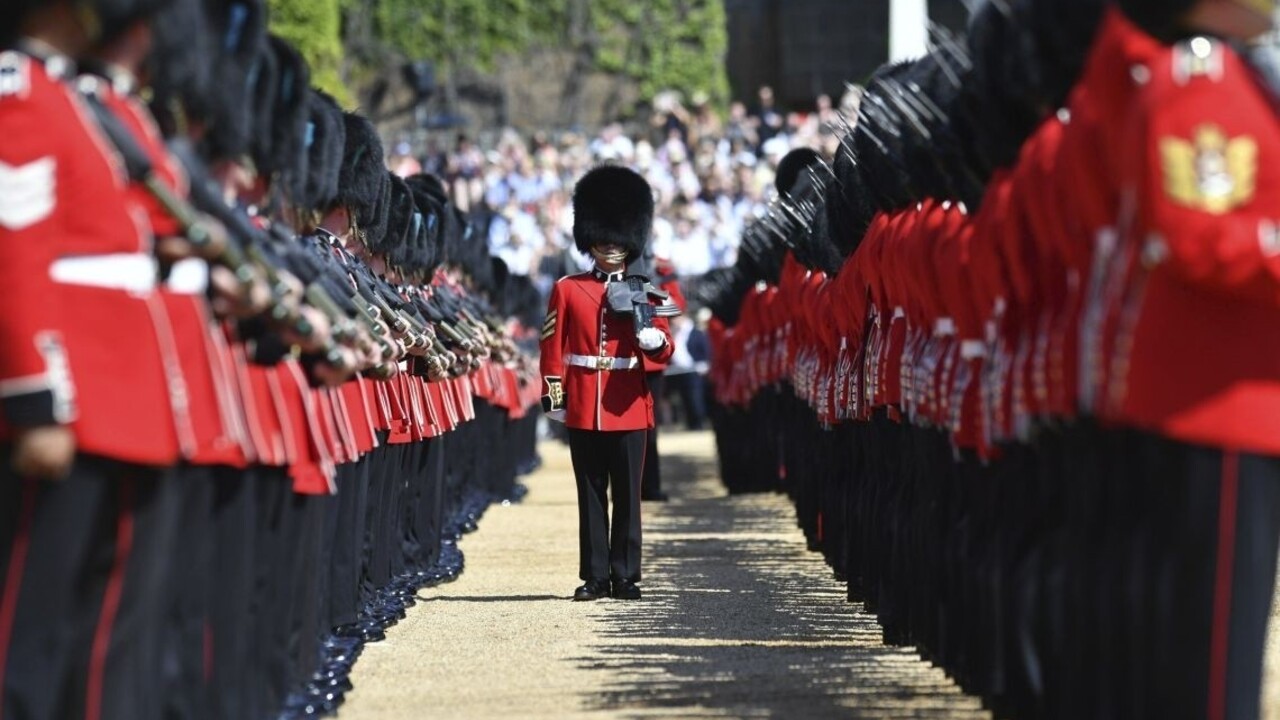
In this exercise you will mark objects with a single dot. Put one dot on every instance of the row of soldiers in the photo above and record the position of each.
(252, 385)
(1012, 354)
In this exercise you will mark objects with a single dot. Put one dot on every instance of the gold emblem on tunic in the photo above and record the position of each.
(1211, 172)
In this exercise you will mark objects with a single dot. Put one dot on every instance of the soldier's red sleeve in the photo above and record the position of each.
(668, 348)
(1209, 193)
(166, 167)
(35, 384)
(551, 351)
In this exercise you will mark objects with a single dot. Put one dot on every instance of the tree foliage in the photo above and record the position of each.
(315, 28)
(476, 33)
(658, 44)
(664, 44)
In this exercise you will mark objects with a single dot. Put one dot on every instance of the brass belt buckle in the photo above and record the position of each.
(606, 363)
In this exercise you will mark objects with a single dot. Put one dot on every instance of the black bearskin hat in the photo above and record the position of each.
(290, 108)
(612, 204)
(1158, 17)
(179, 66)
(375, 226)
(266, 82)
(400, 223)
(792, 165)
(115, 16)
(239, 29)
(428, 196)
(363, 173)
(327, 136)
(1064, 32)
(1004, 97)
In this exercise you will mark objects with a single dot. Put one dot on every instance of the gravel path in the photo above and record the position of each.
(738, 620)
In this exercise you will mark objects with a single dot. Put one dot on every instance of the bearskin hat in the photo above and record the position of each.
(849, 207)
(394, 243)
(1158, 17)
(115, 16)
(179, 66)
(1063, 32)
(879, 145)
(291, 109)
(363, 174)
(239, 29)
(1005, 98)
(612, 204)
(266, 82)
(792, 165)
(432, 206)
(326, 137)
(373, 224)
(499, 276)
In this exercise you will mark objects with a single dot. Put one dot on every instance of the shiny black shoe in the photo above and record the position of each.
(592, 590)
(362, 631)
(336, 685)
(625, 590)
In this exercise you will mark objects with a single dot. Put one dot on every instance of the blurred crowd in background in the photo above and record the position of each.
(713, 172)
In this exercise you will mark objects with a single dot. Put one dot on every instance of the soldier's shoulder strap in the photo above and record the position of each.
(1198, 59)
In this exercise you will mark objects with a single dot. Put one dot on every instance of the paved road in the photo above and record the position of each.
(738, 620)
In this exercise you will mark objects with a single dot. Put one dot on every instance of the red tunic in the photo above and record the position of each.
(78, 347)
(579, 323)
(1196, 354)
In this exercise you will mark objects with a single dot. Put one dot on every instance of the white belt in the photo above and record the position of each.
(972, 349)
(595, 362)
(944, 326)
(189, 277)
(133, 272)
(899, 313)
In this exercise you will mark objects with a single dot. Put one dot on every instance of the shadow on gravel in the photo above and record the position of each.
(739, 620)
(492, 598)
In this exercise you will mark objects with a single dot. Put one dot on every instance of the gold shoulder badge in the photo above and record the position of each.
(1211, 172)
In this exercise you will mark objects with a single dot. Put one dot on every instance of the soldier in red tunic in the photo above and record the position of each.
(599, 326)
(1193, 365)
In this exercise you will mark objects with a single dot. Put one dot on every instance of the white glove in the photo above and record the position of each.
(651, 339)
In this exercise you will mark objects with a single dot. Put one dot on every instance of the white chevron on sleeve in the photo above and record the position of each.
(28, 193)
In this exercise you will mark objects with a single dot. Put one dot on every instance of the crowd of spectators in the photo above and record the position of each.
(712, 174)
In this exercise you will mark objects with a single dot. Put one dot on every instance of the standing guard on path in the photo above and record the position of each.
(599, 325)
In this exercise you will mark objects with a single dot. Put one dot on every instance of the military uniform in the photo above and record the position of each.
(593, 346)
(1199, 268)
(590, 355)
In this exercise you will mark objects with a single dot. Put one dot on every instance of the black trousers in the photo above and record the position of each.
(348, 543)
(83, 578)
(235, 675)
(604, 461)
(651, 486)
(1211, 581)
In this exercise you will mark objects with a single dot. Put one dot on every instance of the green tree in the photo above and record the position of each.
(315, 28)
(664, 44)
(657, 44)
(475, 33)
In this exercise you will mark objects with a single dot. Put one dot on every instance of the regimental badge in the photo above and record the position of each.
(549, 325)
(1211, 172)
(554, 399)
